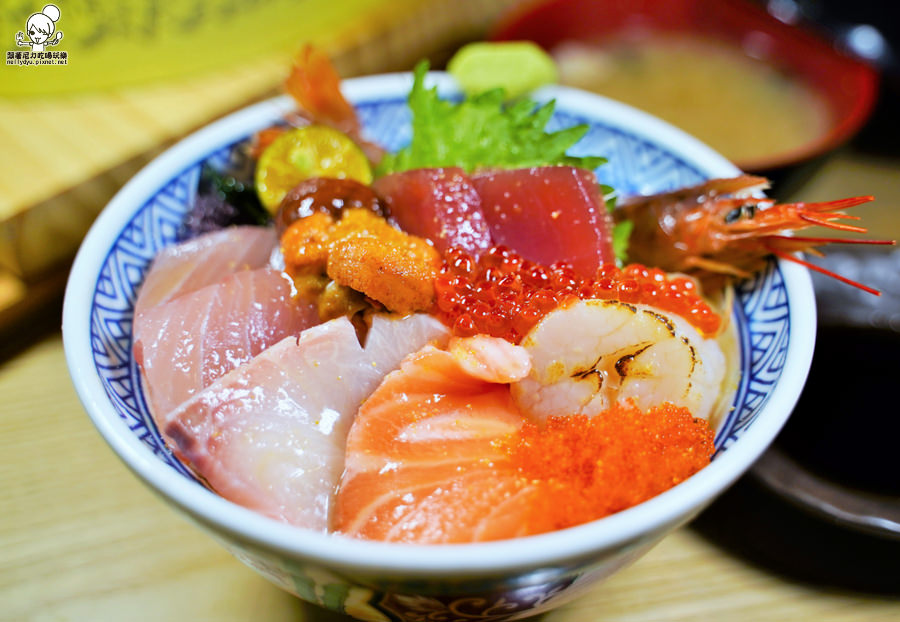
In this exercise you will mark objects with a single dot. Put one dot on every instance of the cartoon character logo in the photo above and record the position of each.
(40, 27)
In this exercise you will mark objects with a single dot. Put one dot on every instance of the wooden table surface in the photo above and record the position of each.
(82, 539)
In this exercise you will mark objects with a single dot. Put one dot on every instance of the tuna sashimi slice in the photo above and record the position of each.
(270, 435)
(440, 204)
(202, 261)
(423, 461)
(548, 214)
(183, 345)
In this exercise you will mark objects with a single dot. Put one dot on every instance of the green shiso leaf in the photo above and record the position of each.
(480, 132)
(621, 231)
(620, 234)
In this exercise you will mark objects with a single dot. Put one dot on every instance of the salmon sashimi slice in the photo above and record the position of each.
(185, 344)
(270, 435)
(425, 462)
(202, 261)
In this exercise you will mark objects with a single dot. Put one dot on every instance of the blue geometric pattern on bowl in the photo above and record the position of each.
(635, 165)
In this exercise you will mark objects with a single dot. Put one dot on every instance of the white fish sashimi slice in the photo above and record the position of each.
(271, 434)
(202, 261)
(390, 339)
(187, 343)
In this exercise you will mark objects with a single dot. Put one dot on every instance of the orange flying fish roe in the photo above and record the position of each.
(503, 295)
(587, 468)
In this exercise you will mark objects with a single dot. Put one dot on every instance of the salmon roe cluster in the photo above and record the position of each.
(503, 295)
(587, 468)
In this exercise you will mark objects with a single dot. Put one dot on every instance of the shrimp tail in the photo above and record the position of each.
(314, 84)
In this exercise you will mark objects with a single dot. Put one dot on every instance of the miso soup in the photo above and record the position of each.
(744, 108)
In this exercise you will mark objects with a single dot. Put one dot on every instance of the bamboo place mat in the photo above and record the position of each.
(63, 157)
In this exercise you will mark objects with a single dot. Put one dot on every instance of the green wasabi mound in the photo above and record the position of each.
(517, 67)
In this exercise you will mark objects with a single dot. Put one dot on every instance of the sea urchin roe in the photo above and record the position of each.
(305, 244)
(401, 277)
(362, 251)
(503, 295)
(587, 468)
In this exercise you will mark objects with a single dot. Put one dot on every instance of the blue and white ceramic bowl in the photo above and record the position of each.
(774, 314)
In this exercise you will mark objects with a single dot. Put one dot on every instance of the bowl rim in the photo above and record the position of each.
(646, 522)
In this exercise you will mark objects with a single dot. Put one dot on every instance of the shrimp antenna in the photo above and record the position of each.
(821, 270)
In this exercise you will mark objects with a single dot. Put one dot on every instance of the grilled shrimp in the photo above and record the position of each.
(590, 354)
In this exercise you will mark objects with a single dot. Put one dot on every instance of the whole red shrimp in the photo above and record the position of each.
(723, 228)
